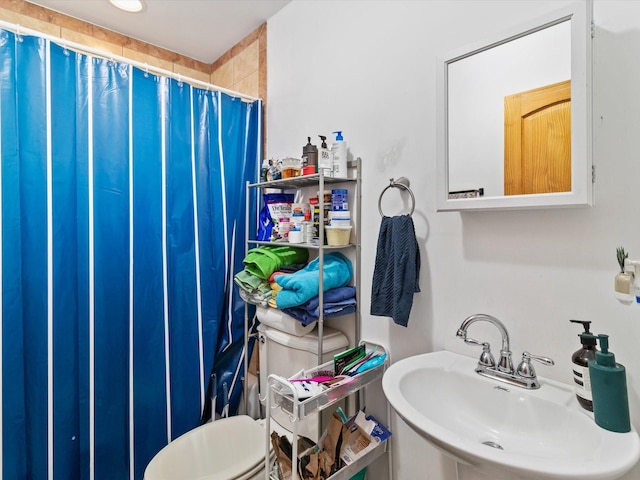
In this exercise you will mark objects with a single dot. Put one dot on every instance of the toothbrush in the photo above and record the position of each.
(349, 368)
(374, 362)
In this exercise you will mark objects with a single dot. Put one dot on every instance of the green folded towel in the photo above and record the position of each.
(264, 260)
(247, 281)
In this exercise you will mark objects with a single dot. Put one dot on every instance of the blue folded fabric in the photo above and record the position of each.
(306, 318)
(336, 302)
(303, 285)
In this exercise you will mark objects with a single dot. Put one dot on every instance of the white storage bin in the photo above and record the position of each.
(284, 354)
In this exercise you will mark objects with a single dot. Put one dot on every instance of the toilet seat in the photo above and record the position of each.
(230, 448)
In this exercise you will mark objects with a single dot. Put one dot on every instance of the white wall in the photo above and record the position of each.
(369, 68)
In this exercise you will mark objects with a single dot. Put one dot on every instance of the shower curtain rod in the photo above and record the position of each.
(20, 30)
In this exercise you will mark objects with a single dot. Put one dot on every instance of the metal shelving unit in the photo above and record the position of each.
(319, 180)
(280, 393)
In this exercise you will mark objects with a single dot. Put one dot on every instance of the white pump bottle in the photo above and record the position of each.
(339, 154)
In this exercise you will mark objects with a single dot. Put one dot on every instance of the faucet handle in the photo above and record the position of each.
(526, 370)
(463, 335)
(486, 357)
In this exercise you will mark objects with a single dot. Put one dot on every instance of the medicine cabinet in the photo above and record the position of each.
(495, 148)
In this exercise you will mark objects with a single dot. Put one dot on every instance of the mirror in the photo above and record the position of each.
(514, 117)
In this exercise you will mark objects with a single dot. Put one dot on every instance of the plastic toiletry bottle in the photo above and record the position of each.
(580, 359)
(307, 227)
(310, 153)
(609, 389)
(265, 170)
(339, 151)
(325, 162)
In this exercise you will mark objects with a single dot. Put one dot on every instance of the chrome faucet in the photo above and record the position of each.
(522, 376)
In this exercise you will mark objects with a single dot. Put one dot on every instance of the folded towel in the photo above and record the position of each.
(303, 285)
(397, 269)
(256, 298)
(264, 260)
(307, 318)
(248, 281)
(333, 295)
(275, 288)
(336, 302)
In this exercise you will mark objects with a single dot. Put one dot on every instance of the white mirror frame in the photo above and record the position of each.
(582, 172)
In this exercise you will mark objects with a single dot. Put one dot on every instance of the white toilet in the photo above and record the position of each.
(228, 449)
(233, 448)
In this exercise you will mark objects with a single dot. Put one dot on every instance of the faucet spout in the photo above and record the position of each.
(503, 370)
(462, 331)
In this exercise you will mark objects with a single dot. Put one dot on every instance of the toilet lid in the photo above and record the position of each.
(221, 450)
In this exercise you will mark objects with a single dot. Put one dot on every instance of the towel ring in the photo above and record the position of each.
(403, 184)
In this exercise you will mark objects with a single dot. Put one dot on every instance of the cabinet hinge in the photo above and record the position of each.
(593, 174)
(593, 29)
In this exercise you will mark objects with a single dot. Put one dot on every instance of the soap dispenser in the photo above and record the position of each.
(310, 153)
(609, 389)
(325, 162)
(580, 359)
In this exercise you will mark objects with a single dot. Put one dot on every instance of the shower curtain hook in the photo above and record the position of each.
(146, 70)
(65, 49)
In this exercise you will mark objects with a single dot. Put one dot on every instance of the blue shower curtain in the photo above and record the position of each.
(121, 199)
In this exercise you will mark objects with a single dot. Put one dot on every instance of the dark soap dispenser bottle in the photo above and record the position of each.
(580, 359)
(609, 388)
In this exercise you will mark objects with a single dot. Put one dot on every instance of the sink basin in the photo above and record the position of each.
(490, 425)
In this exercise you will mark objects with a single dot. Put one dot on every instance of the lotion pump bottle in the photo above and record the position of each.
(609, 389)
(339, 152)
(580, 359)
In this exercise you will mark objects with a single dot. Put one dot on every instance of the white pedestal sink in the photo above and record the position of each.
(538, 434)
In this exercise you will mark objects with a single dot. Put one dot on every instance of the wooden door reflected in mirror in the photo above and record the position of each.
(537, 140)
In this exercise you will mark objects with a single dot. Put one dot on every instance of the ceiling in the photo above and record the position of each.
(200, 29)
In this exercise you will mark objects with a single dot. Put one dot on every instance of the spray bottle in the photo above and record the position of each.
(339, 152)
(325, 162)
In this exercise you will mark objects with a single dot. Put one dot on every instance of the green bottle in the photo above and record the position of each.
(609, 390)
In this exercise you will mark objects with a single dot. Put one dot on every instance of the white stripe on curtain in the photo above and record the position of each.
(223, 186)
(131, 310)
(92, 316)
(224, 226)
(49, 263)
(196, 235)
(165, 274)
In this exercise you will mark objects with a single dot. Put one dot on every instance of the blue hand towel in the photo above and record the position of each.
(303, 285)
(336, 302)
(397, 269)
